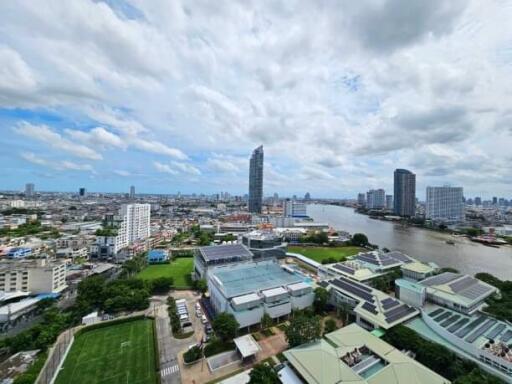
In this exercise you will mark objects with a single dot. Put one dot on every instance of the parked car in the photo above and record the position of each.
(204, 320)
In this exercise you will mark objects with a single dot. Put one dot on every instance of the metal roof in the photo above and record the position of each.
(222, 252)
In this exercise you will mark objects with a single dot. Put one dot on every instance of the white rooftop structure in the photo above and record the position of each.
(247, 346)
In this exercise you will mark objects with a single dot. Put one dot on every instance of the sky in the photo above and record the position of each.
(173, 96)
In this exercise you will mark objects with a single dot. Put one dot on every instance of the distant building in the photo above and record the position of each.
(256, 181)
(132, 192)
(375, 199)
(494, 200)
(19, 253)
(34, 276)
(250, 290)
(294, 209)
(307, 196)
(81, 192)
(361, 199)
(389, 202)
(156, 256)
(137, 218)
(478, 200)
(264, 244)
(404, 193)
(29, 189)
(445, 204)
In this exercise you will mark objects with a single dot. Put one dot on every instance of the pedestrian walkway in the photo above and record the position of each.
(169, 370)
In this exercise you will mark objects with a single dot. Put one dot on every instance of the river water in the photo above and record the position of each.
(422, 244)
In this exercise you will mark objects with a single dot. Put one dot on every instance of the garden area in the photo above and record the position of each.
(326, 254)
(179, 269)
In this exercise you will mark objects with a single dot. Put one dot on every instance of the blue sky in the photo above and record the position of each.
(173, 96)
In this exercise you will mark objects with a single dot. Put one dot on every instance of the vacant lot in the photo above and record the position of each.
(179, 269)
(321, 253)
(121, 353)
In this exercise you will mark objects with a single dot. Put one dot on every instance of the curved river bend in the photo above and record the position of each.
(466, 256)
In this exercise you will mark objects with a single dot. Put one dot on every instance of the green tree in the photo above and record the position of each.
(225, 326)
(330, 325)
(192, 354)
(321, 300)
(360, 240)
(303, 329)
(266, 321)
(201, 285)
(263, 374)
(161, 284)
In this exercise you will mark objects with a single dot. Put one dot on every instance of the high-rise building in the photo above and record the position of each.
(307, 196)
(361, 199)
(445, 204)
(137, 218)
(375, 199)
(494, 200)
(132, 192)
(256, 180)
(82, 192)
(389, 202)
(478, 200)
(294, 209)
(404, 203)
(29, 189)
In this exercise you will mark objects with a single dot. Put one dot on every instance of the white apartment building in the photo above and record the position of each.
(295, 209)
(34, 276)
(375, 199)
(445, 204)
(137, 219)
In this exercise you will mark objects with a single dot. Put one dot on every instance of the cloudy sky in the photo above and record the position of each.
(173, 95)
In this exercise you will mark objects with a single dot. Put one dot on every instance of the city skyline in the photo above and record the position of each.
(131, 99)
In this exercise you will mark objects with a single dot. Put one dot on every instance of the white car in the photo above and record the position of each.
(204, 320)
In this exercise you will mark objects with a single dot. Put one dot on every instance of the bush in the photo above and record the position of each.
(330, 325)
(193, 354)
(359, 240)
(216, 346)
(225, 326)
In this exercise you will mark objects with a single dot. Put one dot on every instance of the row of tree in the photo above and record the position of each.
(501, 307)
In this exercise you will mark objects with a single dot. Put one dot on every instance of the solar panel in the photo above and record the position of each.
(442, 316)
(389, 303)
(220, 252)
(476, 291)
(388, 261)
(323, 284)
(343, 268)
(399, 256)
(506, 336)
(481, 330)
(442, 278)
(462, 284)
(455, 327)
(370, 307)
(449, 321)
(353, 290)
(475, 323)
(358, 285)
(495, 331)
(400, 315)
(367, 259)
(436, 312)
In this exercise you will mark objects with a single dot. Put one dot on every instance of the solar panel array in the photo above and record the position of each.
(367, 257)
(381, 259)
(400, 256)
(465, 282)
(389, 303)
(442, 317)
(450, 321)
(468, 328)
(343, 268)
(436, 312)
(442, 278)
(476, 291)
(221, 252)
(495, 331)
(455, 327)
(506, 336)
(481, 330)
(405, 310)
(370, 307)
(353, 288)
(323, 284)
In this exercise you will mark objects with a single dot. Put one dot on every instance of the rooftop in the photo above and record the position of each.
(225, 252)
(246, 345)
(238, 280)
(353, 355)
(418, 267)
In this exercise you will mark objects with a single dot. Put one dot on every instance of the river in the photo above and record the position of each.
(422, 244)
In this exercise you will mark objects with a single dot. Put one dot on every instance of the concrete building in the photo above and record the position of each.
(132, 192)
(356, 356)
(389, 202)
(35, 276)
(158, 256)
(19, 252)
(137, 218)
(404, 193)
(29, 189)
(256, 181)
(211, 256)
(375, 199)
(82, 192)
(294, 208)
(445, 204)
(249, 290)
(264, 244)
(361, 199)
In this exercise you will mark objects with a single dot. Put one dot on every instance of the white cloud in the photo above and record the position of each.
(64, 165)
(97, 137)
(186, 168)
(164, 168)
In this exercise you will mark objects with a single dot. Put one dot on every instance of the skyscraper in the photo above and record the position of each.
(445, 204)
(81, 192)
(132, 192)
(137, 221)
(405, 193)
(29, 189)
(375, 199)
(256, 180)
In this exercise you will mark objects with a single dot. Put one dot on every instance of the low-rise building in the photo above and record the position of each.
(264, 244)
(249, 290)
(156, 256)
(19, 252)
(353, 355)
(216, 255)
(35, 276)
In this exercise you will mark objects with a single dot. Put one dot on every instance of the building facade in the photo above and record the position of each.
(375, 199)
(404, 203)
(256, 181)
(137, 218)
(34, 276)
(445, 204)
(294, 209)
(29, 189)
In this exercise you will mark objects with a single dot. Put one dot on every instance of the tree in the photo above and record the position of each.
(330, 325)
(161, 284)
(360, 240)
(263, 374)
(192, 354)
(266, 321)
(201, 285)
(321, 299)
(225, 326)
(303, 329)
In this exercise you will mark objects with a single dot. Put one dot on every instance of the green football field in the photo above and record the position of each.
(321, 253)
(179, 269)
(119, 354)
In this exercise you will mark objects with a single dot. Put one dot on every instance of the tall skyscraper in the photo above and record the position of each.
(81, 192)
(132, 192)
(256, 180)
(29, 189)
(478, 200)
(404, 193)
(389, 202)
(137, 221)
(445, 204)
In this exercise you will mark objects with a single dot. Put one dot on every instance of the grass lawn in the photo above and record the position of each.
(320, 253)
(122, 353)
(179, 269)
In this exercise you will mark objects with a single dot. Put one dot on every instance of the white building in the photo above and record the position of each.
(375, 199)
(249, 290)
(445, 204)
(294, 209)
(35, 276)
(137, 218)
